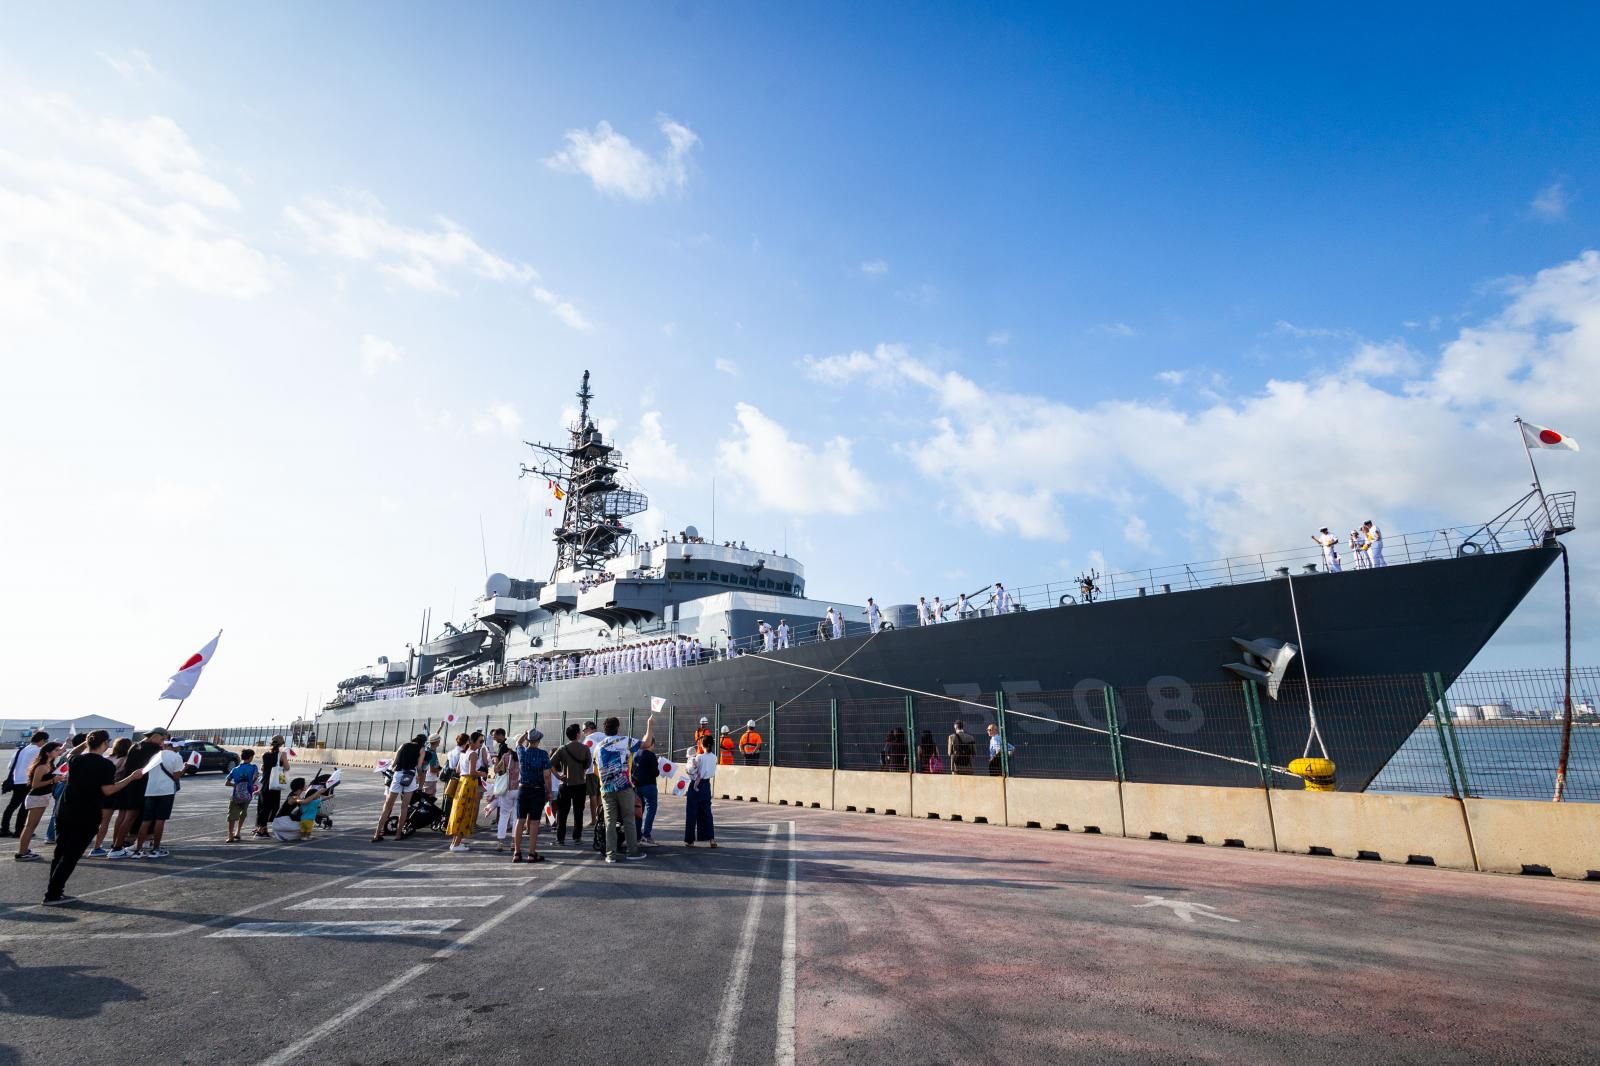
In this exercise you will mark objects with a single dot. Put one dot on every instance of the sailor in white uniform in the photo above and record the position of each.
(922, 611)
(874, 616)
(836, 621)
(1358, 549)
(963, 608)
(1374, 543)
(1002, 599)
(783, 632)
(936, 612)
(767, 636)
(1330, 549)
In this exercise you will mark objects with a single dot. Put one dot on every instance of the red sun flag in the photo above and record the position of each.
(182, 683)
(1545, 437)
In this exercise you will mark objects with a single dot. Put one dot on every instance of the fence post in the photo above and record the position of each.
(772, 731)
(1448, 723)
(716, 731)
(1115, 729)
(911, 734)
(1000, 725)
(672, 734)
(833, 731)
(1258, 733)
(1444, 744)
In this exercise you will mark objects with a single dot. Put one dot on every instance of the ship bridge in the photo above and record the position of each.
(649, 583)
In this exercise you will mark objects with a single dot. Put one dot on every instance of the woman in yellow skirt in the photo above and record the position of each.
(468, 786)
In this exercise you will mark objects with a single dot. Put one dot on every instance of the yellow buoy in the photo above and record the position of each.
(1318, 774)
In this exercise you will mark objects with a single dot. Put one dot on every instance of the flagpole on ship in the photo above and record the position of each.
(1538, 487)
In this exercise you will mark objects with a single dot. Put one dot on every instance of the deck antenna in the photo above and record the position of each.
(483, 546)
(713, 509)
(1305, 666)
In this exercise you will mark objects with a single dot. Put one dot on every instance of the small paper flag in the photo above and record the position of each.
(667, 766)
(383, 764)
(680, 786)
(588, 741)
(194, 760)
(657, 704)
(333, 779)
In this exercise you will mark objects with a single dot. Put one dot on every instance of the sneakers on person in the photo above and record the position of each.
(636, 858)
(59, 901)
(647, 840)
(611, 858)
(157, 853)
(459, 847)
(120, 853)
(98, 853)
(28, 856)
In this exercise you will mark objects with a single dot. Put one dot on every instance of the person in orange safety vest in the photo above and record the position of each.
(726, 758)
(750, 744)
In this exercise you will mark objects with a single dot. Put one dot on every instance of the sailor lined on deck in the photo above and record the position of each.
(1330, 549)
(936, 612)
(836, 622)
(1002, 599)
(963, 608)
(1374, 543)
(1358, 549)
(922, 611)
(783, 633)
(874, 616)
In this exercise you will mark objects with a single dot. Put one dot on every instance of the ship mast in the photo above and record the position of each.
(583, 475)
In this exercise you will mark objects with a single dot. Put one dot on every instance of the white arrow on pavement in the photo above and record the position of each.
(1185, 909)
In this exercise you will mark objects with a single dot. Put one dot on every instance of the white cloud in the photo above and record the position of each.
(376, 353)
(1115, 329)
(133, 64)
(360, 230)
(1251, 470)
(497, 418)
(727, 366)
(1173, 378)
(1136, 532)
(616, 166)
(999, 338)
(875, 268)
(652, 458)
(1551, 202)
(790, 476)
(88, 198)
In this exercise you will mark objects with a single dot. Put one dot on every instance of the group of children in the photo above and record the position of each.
(303, 807)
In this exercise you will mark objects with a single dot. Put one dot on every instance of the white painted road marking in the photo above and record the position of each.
(475, 869)
(1185, 909)
(417, 928)
(726, 1026)
(379, 903)
(783, 1053)
(485, 882)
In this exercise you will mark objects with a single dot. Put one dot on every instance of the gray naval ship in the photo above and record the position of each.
(1153, 660)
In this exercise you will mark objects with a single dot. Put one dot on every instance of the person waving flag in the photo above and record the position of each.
(181, 684)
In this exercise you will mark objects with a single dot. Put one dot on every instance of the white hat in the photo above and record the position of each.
(724, 729)
(705, 721)
(751, 724)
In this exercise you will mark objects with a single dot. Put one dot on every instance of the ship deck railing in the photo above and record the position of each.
(1523, 525)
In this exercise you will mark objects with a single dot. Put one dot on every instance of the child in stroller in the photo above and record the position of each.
(424, 813)
(328, 784)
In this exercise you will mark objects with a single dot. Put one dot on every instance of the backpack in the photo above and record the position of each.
(244, 785)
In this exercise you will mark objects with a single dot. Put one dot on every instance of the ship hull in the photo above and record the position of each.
(1368, 638)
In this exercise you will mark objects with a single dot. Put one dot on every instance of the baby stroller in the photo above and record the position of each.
(423, 814)
(325, 812)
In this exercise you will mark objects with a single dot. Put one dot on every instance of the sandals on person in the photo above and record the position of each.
(516, 856)
(536, 857)
(377, 838)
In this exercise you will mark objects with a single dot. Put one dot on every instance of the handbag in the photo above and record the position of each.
(278, 780)
(501, 786)
(935, 765)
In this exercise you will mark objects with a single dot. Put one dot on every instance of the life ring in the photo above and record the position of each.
(1065, 600)
(1469, 548)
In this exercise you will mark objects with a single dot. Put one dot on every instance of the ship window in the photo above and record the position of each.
(700, 575)
(722, 578)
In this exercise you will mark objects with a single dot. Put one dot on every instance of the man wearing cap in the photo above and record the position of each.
(783, 633)
(750, 744)
(1330, 549)
(532, 793)
(726, 759)
(405, 767)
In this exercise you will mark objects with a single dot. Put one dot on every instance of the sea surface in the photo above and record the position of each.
(1516, 760)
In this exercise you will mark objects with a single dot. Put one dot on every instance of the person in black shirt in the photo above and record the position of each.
(89, 780)
(130, 804)
(406, 766)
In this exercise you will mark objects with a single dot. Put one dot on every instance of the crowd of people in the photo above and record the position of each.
(524, 787)
(1365, 543)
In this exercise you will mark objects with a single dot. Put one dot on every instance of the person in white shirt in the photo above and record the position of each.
(162, 774)
(936, 612)
(1374, 543)
(1002, 599)
(1358, 549)
(697, 821)
(997, 765)
(767, 637)
(874, 616)
(783, 632)
(963, 608)
(21, 760)
(1330, 549)
(836, 621)
(922, 611)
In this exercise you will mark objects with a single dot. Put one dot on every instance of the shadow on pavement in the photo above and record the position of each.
(68, 992)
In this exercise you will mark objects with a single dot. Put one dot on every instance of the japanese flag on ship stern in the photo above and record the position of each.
(182, 682)
(1545, 437)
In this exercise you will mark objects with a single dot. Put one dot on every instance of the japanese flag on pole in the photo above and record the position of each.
(1545, 437)
(657, 704)
(194, 760)
(182, 682)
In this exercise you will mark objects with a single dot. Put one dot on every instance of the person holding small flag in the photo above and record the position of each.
(89, 784)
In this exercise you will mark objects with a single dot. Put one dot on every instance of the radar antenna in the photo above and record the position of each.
(582, 475)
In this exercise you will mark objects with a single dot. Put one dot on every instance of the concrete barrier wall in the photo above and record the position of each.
(1512, 834)
(1197, 812)
(872, 792)
(1358, 825)
(1081, 806)
(801, 788)
(968, 797)
(740, 783)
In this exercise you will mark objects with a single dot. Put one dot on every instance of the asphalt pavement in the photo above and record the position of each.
(808, 936)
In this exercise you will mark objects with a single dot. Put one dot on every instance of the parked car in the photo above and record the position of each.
(211, 757)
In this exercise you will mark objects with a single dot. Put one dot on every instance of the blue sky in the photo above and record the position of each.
(935, 298)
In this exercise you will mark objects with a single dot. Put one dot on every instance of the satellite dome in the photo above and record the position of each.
(497, 585)
(690, 532)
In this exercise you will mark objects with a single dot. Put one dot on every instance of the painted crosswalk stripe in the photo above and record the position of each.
(430, 927)
(475, 869)
(429, 883)
(380, 903)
